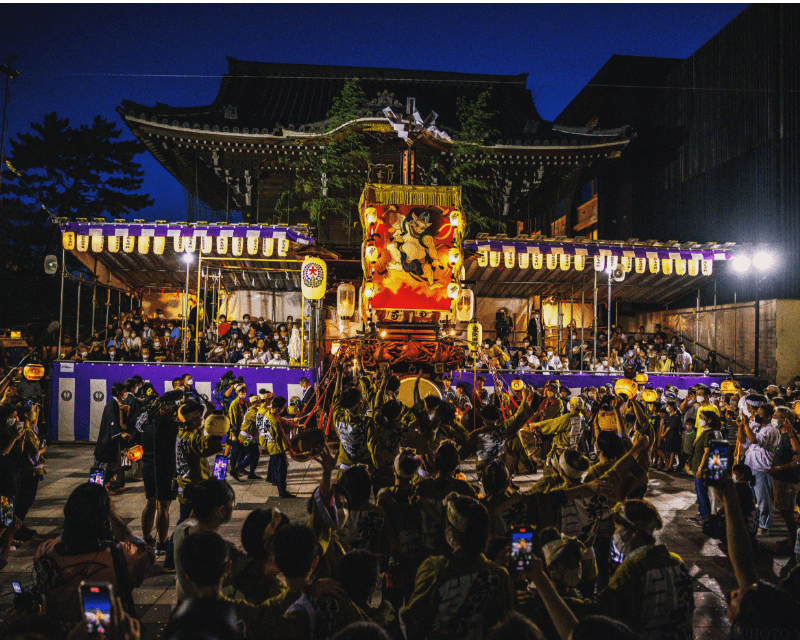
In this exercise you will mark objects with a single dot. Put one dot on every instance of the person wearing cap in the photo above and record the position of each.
(651, 591)
(759, 439)
(460, 595)
(249, 441)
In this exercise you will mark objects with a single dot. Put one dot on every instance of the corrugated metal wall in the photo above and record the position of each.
(733, 108)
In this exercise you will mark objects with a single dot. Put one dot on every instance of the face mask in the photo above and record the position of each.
(570, 577)
(84, 354)
(682, 349)
(157, 345)
(663, 357)
(605, 362)
(190, 382)
(11, 422)
(701, 398)
(619, 544)
(240, 344)
(498, 343)
(112, 353)
(525, 344)
(549, 354)
(145, 357)
(701, 423)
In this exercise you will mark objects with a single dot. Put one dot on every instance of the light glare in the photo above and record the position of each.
(741, 263)
(763, 260)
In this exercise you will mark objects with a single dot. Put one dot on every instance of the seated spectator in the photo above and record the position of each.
(235, 332)
(114, 356)
(237, 350)
(94, 540)
(278, 360)
(159, 351)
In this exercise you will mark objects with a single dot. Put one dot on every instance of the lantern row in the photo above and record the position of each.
(565, 262)
(180, 244)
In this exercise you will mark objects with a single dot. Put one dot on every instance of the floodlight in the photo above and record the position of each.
(188, 258)
(741, 263)
(763, 260)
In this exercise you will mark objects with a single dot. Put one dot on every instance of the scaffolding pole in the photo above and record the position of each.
(78, 319)
(594, 317)
(61, 305)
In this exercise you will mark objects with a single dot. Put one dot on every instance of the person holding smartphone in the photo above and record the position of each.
(113, 428)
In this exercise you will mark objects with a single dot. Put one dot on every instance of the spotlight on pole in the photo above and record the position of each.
(188, 258)
(763, 260)
(741, 263)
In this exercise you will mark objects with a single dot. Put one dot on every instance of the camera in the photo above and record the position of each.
(27, 599)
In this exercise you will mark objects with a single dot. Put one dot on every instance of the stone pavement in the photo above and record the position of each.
(68, 466)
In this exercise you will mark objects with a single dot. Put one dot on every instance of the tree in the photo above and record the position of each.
(328, 184)
(60, 171)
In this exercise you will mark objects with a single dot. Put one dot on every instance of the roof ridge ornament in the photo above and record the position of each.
(385, 99)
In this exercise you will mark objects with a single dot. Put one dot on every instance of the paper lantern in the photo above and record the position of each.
(283, 247)
(641, 263)
(371, 215)
(135, 453)
(627, 264)
(483, 258)
(178, 244)
(222, 245)
(345, 300)
(494, 258)
(313, 278)
(729, 386)
(524, 260)
(666, 266)
(654, 264)
(190, 244)
(452, 290)
(537, 261)
(564, 261)
(626, 387)
(372, 253)
(599, 263)
(580, 263)
(509, 259)
(680, 267)
(33, 372)
(252, 246)
(706, 267)
(237, 246)
(612, 262)
(113, 244)
(648, 395)
(268, 246)
(68, 240)
(206, 244)
(143, 245)
(641, 378)
(97, 243)
(694, 267)
(454, 256)
(128, 244)
(455, 218)
(465, 305)
(159, 242)
(474, 335)
(552, 260)
(369, 291)
(83, 243)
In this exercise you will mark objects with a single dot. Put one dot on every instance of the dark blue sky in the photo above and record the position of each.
(83, 60)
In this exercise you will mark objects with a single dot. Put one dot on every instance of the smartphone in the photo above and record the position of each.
(718, 459)
(96, 602)
(6, 511)
(220, 467)
(43, 443)
(521, 547)
(97, 476)
(17, 587)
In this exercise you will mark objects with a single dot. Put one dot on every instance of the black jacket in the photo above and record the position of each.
(107, 447)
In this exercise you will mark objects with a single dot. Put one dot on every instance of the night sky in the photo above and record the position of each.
(81, 61)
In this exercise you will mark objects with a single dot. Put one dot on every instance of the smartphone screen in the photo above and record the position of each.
(96, 601)
(42, 444)
(220, 467)
(521, 547)
(17, 587)
(97, 476)
(6, 511)
(717, 459)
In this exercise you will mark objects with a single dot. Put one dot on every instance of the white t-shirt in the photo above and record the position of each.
(184, 588)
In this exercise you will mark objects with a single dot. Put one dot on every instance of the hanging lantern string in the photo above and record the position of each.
(52, 219)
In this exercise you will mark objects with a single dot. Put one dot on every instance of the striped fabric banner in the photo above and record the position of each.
(186, 231)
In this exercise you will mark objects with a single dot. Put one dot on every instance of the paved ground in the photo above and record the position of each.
(68, 466)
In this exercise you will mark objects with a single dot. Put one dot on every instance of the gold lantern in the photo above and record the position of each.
(483, 258)
(206, 244)
(627, 264)
(372, 253)
(97, 244)
(465, 305)
(564, 261)
(345, 300)
(508, 258)
(113, 243)
(452, 290)
(68, 240)
(455, 218)
(474, 335)
(524, 260)
(666, 266)
(252, 246)
(313, 278)
(599, 263)
(680, 267)
(694, 267)
(159, 242)
(371, 215)
(178, 244)
(537, 261)
(268, 246)
(654, 264)
(237, 246)
(222, 245)
(128, 244)
(283, 247)
(641, 264)
(33, 372)
(143, 244)
(626, 387)
(706, 267)
(641, 378)
(580, 263)
(494, 258)
(369, 291)
(454, 257)
(648, 395)
(552, 260)
(83, 243)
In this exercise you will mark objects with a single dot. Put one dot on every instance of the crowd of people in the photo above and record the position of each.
(139, 338)
(398, 542)
(607, 352)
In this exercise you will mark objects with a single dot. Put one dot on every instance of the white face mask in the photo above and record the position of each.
(701, 423)
(145, 356)
(498, 342)
(189, 382)
(84, 354)
(239, 344)
(157, 345)
(701, 398)
(605, 362)
(112, 353)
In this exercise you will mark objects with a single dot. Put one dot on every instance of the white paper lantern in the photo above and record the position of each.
(252, 246)
(345, 300)
(552, 260)
(465, 305)
(178, 244)
(114, 244)
(627, 264)
(524, 260)
(190, 244)
(283, 247)
(237, 246)
(612, 262)
(508, 259)
(680, 267)
(654, 264)
(494, 258)
(641, 265)
(483, 258)
(206, 244)
(83, 243)
(97, 243)
(222, 245)
(143, 245)
(580, 263)
(599, 263)
(128, 244)
(564, 261)
(693, 267)
(372, 253)
(268, 246)
(666, 266)
(537, 260)
(452, 290)
(707, 266)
